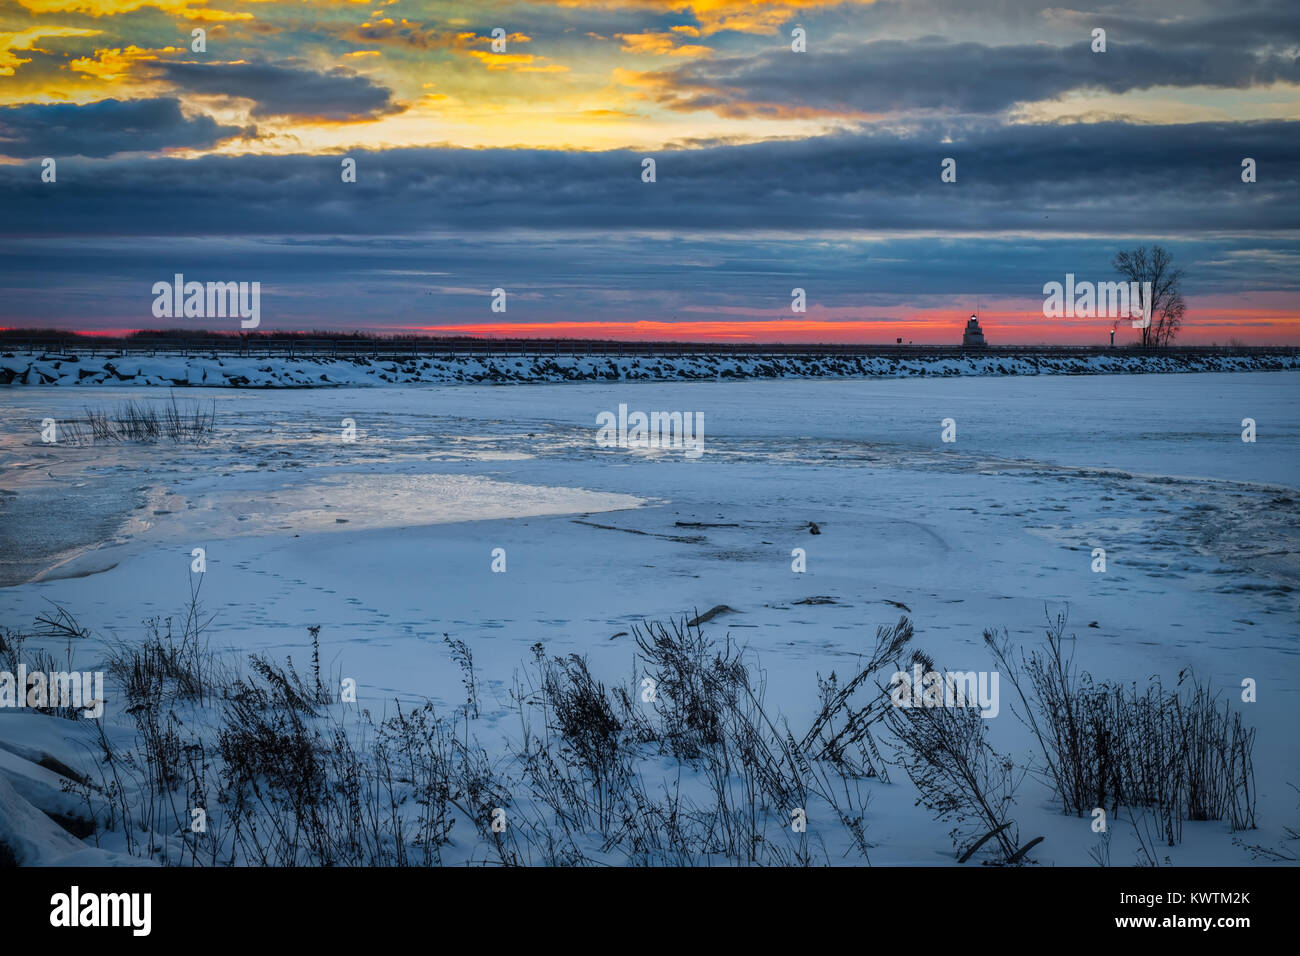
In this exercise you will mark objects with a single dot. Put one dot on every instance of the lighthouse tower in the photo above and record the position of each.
(973, 337)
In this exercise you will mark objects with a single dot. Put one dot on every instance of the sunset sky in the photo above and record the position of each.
(522, 168)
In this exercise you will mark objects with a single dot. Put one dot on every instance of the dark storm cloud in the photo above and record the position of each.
(888, 76)
(1240, 25)
(1096, 178)
(386, 283)
(104, 128)
(1274, 25)
(338, 94)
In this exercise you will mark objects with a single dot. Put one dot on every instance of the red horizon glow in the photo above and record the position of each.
(1006, 323)
(1261, 327)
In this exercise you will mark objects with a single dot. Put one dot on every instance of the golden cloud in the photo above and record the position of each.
(398, 33)
(115, 64)
(11, 43)
(189, 9)
(518, 62)
(648, 80)
(714, 16)
(660, 44)
(660, 86)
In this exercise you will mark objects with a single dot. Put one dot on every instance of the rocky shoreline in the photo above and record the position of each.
(27, 368)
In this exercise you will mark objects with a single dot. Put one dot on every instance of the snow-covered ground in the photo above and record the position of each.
(26, 368)
(387, 542)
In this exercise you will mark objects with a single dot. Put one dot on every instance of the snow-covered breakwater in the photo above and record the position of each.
(30, 368)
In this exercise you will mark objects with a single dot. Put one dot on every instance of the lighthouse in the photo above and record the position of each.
(973, 337)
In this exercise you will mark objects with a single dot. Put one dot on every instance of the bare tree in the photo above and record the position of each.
(1167, 308)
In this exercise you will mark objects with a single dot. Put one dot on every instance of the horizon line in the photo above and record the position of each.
(40, 334)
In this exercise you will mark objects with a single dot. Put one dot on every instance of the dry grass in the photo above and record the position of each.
(132, 421)
(682, 763)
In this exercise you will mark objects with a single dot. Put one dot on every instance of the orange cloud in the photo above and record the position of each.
(115, 64)
(189, 9)
(660, 44)
(397, 33)
(714, 16)
(648, 80)
(661, 87)
(465, 40)
(11, 43)
(519, 62)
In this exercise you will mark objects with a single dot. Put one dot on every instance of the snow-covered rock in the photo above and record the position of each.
(27, 368)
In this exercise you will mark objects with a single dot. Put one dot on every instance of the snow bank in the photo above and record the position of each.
(29, 790)
(20, 368)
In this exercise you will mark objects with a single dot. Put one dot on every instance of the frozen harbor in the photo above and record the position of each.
(387, 537)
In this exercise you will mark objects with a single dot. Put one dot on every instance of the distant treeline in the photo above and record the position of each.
(318, 339)
(187, 334)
